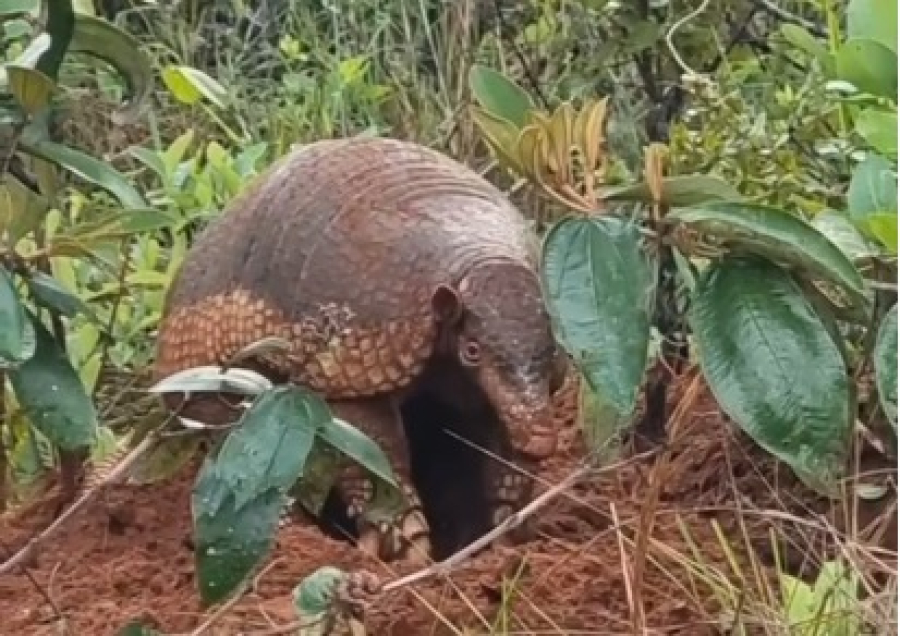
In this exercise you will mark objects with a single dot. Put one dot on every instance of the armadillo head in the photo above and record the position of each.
(497, 325)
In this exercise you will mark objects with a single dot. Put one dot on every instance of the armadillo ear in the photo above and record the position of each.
(446, 304)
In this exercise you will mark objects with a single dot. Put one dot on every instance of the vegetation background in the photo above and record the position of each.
(128, 125)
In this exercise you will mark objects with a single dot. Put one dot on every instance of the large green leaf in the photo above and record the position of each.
(775, 234)
(500, 96)
(873, 20)
(678, 191)
(86, 167)
(101, 39)
(807, 42)
(50, 392)
(885, 359)
(50, 293)
(838, 229)
(599, 288)
(350, 441)
(873, 187)
(869, 66)
(879, 128)
(269, 446)
(229, 541)
(16, 341)
(772, 365)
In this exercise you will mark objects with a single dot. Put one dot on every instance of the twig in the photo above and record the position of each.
(443, 568)
(26, 552)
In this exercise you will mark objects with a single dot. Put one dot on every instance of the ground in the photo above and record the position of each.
(694, 511)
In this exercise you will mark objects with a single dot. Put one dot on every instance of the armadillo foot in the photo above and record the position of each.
(403, 535)
(511, 490)
(391, 524)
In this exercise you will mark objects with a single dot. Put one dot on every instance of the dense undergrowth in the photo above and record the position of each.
(757, 137)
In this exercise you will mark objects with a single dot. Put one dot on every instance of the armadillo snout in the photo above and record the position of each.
(531, 429)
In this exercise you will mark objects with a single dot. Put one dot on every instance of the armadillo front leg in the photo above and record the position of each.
(391, 525)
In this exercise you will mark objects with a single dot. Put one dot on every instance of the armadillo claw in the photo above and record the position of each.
(511, 491)
(403, 535)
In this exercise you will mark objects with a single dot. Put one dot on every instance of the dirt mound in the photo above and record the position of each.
(127, 555)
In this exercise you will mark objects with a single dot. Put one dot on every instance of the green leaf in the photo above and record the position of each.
(759, 339)
(47, 291)
(805, 41)
(189, 85)
(879, 128)
(17, 7)
(678, 191)
(353, 443)
(268, 448)
(86, 167)
(599, 286)
(838, 229)
(869, 66)
(31, 88)
(230, 541)
(50, 392)
(873, 187)
(100, 39)
(500, 96)
(884, 228)
(136, 627)
(775, 234)
(873, 20)
(15, 347)
(313, 600)
(885, 359)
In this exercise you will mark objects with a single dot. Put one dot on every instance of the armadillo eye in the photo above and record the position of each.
(471, 352)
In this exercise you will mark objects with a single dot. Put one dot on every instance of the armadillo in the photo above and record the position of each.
(374, 258)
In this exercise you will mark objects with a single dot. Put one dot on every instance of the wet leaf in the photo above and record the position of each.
(599, 288)
(869, 65)
(31, 88)
(353, 443)
(85, 167)
(230, 540)
(757, 338)
(678, 191)
(885, 359)
(268, 448)
(500, 96)
(778, 235)
(15, 347)
(50, 392)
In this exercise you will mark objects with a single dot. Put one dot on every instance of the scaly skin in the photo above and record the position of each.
(371, 257)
